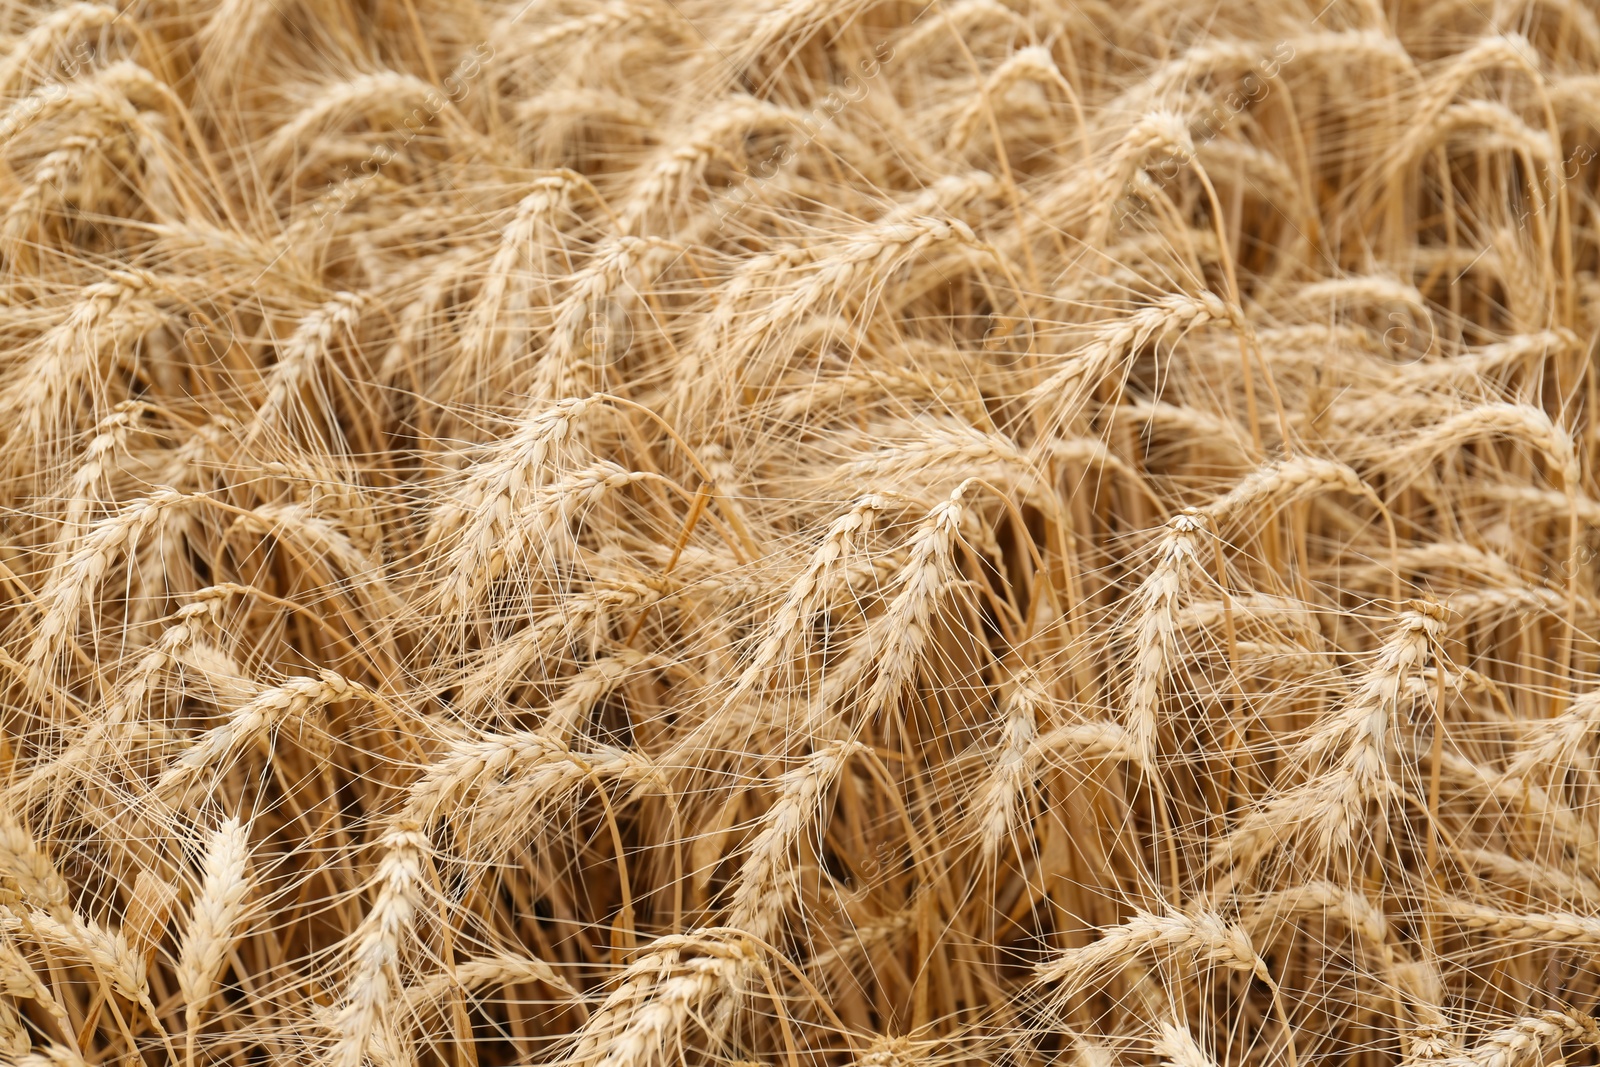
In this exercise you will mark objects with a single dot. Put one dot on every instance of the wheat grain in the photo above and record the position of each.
(30, 869)
(995, 801)
(1201, 938)
(1557, 927)
(1531, 1037)
(298, 361)
(218, 908)
(1177, 1046)
(364, 1014)
(668, 985)
(243, 726)
(754, 902)
(106, 951)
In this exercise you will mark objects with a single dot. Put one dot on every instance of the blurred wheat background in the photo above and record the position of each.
(819, 532)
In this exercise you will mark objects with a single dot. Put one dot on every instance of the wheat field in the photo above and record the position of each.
(618, 533)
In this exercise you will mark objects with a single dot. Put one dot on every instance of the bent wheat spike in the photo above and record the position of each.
(249, 722)
(1201, 938)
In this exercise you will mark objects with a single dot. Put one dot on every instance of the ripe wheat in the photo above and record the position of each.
(608, 533)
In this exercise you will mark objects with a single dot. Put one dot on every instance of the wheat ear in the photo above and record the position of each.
(215, 915)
